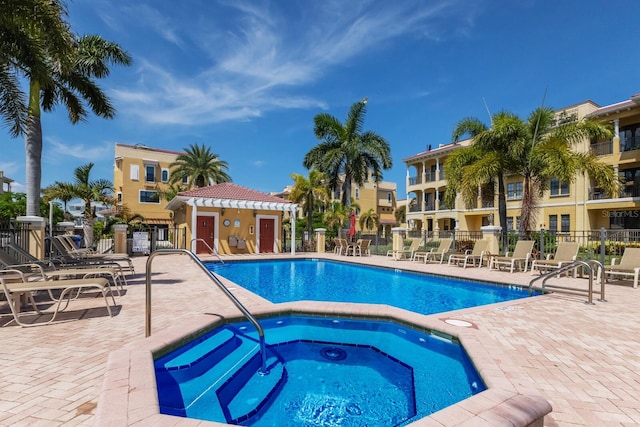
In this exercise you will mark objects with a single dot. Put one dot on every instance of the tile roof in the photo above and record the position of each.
(231, 191)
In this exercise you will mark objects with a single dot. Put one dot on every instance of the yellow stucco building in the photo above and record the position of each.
(564, 207)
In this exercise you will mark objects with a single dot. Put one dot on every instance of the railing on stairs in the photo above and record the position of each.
(221, 286)
(213, 251)
(589, 265)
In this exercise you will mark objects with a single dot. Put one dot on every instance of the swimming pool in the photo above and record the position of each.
(322, 280)
(322, 371)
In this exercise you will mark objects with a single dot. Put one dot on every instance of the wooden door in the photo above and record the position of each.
(204, 231)
(267, 235)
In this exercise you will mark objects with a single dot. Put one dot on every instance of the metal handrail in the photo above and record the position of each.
(223, 288)
(213, 251)
(588, 264)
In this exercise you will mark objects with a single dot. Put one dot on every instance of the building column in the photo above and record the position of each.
(120, 238)
(492, 234)
(320, 239)
(294, 215)
(398, 240)
(616, 137)
(36, 226)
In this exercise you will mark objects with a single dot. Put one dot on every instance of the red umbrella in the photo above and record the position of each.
(352, 226)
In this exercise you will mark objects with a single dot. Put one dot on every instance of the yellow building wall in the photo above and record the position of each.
(128, 156)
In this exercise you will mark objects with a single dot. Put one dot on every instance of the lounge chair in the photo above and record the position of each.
(406, 252)
(566, 253)
(15, 285)
(479, 253)
(521, 255)
(629, 266)
(342, 246)
(71, 254)
(435, 254)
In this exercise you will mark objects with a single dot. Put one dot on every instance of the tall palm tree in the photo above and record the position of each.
(487, 159)
(28, 30)
(199, 166)
(547, 151)
(100, 190)
(309, 193)
(62, 191)
(72, 84)
(346, 151)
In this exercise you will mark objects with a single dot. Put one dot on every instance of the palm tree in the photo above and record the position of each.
(71, 84)
(335, 216)
(546, 152)
(89, 191)
(369, 220)
(199, 166)
(62, 191)
(347, 151)
(309, 192)
(29, 29)
(537, 150)
(487, 159)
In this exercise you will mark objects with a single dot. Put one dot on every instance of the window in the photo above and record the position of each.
(514, 190)
(150, 173)
(630, 137)
(135, 172)
(389, 197)
(357, 193)
(147, 196)
(509, 223)
(119, 198)
(185, 180)
(553, 223)
(559, 188)
(565, 223)
(164, 175)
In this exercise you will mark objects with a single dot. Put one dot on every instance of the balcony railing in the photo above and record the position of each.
(630, 191)
(487, 204)
(415, 180)
(602, 148)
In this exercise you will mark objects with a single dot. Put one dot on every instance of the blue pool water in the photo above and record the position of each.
(319, 280)
(322, 372)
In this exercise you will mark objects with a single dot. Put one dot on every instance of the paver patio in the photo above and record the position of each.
(584, 359)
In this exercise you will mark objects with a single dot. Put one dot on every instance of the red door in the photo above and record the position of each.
(204, 231)
(267, 235)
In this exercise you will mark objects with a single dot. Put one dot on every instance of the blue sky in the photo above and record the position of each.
(247, 77)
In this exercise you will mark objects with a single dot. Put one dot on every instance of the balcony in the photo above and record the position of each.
(602, 148)
(630, 190)
(414, 180)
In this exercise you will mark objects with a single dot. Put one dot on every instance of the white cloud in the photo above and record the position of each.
(86, 153)
(256, 57)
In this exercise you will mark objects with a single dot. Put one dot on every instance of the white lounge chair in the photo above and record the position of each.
(629, 266)
(435, 254)
(15, 286)
(406, 252)
(566, 253)
(478, 254)
(521, 256)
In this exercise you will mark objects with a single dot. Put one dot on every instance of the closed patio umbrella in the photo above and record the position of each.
(352, 225)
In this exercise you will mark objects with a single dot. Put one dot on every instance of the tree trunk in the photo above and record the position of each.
(87, 227)
(528, 205)
(33, 167)
(502, 204)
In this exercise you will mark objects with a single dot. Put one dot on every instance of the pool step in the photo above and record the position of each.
(248, 390)
(199, 359)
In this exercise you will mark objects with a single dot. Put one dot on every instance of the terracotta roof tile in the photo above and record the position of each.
(231, 191)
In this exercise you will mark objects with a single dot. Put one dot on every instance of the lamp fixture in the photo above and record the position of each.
(255, 212)
(222, 210)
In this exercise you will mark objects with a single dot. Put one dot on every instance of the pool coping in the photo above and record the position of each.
(129, 384)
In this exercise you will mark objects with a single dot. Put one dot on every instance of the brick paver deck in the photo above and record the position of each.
(584, 359)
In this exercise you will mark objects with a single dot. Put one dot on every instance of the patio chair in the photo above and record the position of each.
(15, 285)
(362, 247)
(566, 253)
(406, 252)
(479, 253)
(629, 266)
(521, 255)
(435, 254)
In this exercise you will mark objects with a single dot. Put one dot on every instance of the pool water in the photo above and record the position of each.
(320, 280)
(322, 372)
